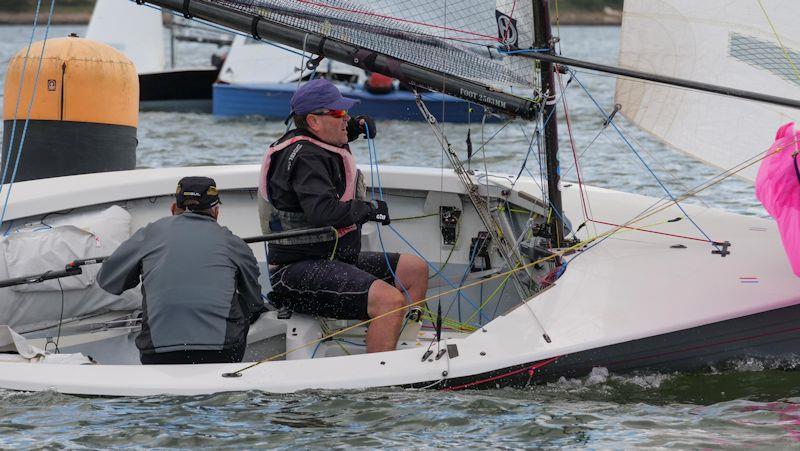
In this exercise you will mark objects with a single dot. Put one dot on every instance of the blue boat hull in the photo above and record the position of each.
(271, 100)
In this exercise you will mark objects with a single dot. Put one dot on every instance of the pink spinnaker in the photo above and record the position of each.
(778, 189)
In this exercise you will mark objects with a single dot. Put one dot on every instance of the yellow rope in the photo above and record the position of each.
(778, 37)
(429, 298)
(552, 256)
(488, 299)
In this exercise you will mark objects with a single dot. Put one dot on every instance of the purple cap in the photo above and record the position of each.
(319, 93)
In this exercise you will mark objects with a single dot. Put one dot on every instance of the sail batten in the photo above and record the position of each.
(691, 40)
(448, 49)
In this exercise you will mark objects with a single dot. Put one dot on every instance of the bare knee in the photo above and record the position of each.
(384, 298)
(413, 265)
(412, 273)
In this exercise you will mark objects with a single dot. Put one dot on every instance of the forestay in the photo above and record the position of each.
(460, 38)
(692, 40)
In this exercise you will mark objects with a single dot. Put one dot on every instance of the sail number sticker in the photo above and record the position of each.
(507, 31)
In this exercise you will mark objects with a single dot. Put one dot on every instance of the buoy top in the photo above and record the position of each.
(80, 80)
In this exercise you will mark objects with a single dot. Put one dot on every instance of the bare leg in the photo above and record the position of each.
(412, 271)
(383, 332)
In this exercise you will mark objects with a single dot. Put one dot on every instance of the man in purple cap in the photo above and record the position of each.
(309, 179)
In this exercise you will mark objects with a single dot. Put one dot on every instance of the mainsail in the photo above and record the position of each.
(135, 31)
(453, 46)
(746, 48)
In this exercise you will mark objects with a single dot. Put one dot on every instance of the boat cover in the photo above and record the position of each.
(778, 189)
(50, 245)
(15, 348)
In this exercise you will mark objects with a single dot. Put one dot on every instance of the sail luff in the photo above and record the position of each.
(354, 55)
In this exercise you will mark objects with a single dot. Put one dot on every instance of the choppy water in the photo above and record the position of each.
(742, 405)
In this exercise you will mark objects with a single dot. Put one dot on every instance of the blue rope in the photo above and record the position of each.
(633, 149)
(374, 154)
(374, 163)
(552, 208)
(349, 342)
(525, 161)
(516, 52)
(19, 94)
(457, 300)
(30, 107)
(451, 284)
(315, 350)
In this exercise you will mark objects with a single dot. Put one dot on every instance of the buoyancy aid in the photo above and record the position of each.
(274, 220)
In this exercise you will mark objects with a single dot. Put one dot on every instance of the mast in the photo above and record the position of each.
(544, 39)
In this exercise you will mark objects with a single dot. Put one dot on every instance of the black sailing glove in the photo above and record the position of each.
(355, 127)
(379, 212)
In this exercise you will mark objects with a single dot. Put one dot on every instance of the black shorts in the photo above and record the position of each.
(331, 288)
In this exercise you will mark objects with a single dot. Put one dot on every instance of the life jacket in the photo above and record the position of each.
(274, 220)
(379, 84)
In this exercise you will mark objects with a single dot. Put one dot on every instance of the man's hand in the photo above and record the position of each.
(379, 212)
(359, 125)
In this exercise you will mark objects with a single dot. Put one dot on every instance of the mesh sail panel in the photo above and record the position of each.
(460, 38)
(692, 40)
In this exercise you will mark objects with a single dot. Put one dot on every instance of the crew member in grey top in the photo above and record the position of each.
(200, 289)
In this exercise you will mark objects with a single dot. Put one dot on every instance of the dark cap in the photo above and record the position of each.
(196, 193)
(317, 94)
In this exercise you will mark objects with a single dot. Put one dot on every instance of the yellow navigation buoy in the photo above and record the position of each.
(84, 114)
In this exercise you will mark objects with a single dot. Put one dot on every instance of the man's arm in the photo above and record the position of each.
(247, 279)
(312, 182)
(123, 268)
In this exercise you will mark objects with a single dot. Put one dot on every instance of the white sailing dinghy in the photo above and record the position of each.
(645, 284)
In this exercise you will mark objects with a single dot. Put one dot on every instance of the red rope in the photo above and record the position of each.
(652, 231)
(530, 369)
(381, 16)
(572, 144)
(508, 25)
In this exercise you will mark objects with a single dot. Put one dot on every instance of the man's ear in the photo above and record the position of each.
(215, 211)
(313, 122)
(173, 208)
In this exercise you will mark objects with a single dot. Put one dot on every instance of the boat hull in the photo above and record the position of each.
(763, 336)
(271, 100)
(177, 90)
(635, 301)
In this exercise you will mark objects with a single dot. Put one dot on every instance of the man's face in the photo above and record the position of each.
(329, 125)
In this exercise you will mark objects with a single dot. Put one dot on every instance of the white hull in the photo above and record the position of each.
(630, 287)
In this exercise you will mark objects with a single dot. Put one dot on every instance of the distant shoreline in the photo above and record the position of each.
(58, 18)
(609, 17)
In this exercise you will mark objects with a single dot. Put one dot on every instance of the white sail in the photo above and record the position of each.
(250, 61)
(136, 31)
(724, 42)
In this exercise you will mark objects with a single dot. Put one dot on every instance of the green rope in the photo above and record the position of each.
(335, 246)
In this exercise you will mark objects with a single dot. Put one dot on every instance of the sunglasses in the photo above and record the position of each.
(338, 114)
